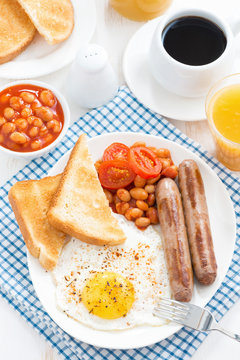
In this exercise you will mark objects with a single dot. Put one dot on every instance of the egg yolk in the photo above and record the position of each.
(108, 295)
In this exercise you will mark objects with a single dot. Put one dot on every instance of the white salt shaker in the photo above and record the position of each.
(92, 81)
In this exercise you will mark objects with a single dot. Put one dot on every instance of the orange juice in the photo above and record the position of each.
(140, 10)
(223, 112)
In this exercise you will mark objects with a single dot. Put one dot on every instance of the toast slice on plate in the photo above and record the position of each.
(30, 202)
(16, 30)
(79, 207)
(54, 19)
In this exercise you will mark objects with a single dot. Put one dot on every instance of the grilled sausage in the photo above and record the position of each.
(197, 221)
(175, 241)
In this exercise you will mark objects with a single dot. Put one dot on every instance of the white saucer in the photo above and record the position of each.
(147, 90)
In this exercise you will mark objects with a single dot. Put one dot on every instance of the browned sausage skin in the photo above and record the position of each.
(175, 241)
(197, 221)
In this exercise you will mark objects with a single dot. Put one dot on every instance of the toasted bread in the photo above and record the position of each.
(54, 19)
(16, 30)
(30, 202)
(79, 206)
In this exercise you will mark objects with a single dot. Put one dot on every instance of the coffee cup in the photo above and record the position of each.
(186, 66)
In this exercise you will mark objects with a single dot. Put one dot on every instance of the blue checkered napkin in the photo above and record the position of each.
(124, 113)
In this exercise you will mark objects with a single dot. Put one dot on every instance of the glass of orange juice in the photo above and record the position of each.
(223, 114)
(140, 10)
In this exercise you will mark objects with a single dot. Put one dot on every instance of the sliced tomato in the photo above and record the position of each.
(116, 151)
(144, 162)
(115, 174)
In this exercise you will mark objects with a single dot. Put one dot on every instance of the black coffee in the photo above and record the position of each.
(193, 40)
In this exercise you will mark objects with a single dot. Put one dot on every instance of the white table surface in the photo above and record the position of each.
(17, 339)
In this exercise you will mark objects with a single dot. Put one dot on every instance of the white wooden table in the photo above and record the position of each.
(17, 339)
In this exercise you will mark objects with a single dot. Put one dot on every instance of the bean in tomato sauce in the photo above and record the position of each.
(31, 118)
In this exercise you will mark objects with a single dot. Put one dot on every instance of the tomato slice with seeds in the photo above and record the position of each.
(144, 162)
(115, 174)
(116, 151)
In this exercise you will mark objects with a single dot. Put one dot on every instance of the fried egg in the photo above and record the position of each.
(113, 287)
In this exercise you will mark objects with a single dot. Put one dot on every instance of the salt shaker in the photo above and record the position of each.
(92, 81)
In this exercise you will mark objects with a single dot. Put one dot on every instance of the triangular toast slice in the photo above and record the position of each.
(30, 202)
(79, 207)
(54, 19)
(16, 30)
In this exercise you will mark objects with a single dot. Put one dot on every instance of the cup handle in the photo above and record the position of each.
(234, 22)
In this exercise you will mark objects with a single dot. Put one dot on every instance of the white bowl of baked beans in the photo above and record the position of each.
(34, 117)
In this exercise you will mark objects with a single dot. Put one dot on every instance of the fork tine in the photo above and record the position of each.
(167, 315)
(179, 305)
(172, 308)
(170, 313)
(158, 314)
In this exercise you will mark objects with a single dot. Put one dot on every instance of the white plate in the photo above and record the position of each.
(40, 58)
(141, 82)
(222, 219)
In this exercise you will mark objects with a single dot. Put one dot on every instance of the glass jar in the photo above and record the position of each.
(223, 114)
(140, 10)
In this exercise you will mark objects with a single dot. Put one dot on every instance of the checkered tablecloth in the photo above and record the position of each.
(123, 113)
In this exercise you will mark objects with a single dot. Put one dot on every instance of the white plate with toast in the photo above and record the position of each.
(39, 58)
(223, 226)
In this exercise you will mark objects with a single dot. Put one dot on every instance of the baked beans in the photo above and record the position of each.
(8, 128)
(123, 195)
(165, 163)
(47, 98)
(153, 180)
(28, 97)
(151, 199)
(8, 113)
(37, 122)
(54, 124)
(116, 199)
(33, 132)
(163, 153)
(31, 118)
(122, 207)
(150, 189)
(152, 214)
(36, 144)
(139, 181)
(43, 130)
(44, 113)
(139, 193)
(47, 139)
(27, 111)
(18, 137)
(133, 214)
(142, 205)
(16, 103)
(142, 222)
(21, 124)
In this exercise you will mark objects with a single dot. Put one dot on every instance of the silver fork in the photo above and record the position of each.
(189, 315)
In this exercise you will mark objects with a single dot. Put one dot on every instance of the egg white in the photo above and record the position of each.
(140, 259)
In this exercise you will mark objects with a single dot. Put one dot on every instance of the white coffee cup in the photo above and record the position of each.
(189, 80)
